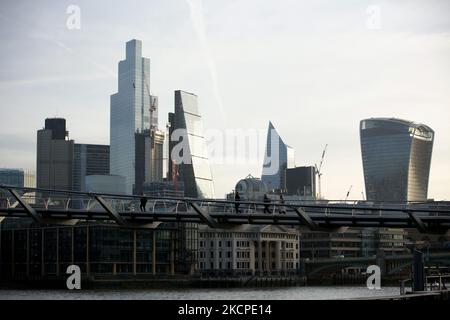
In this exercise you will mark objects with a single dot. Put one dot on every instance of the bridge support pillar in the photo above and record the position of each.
(204, 215)
(111, 211)
(30, 211)
(260, 260)
(418, 271)
(134, 252)
(154, 252)
(381, 261)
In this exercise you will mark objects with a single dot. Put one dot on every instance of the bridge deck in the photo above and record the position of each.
(51, 206)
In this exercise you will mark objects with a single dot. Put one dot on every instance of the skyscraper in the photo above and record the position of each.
(396, 158)
(133, 110)
(301, 181)
(148, 158)
(89, 159)
(188, 158)
(54, 156)
(278, 157)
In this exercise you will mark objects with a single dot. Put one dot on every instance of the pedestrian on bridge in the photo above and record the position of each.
(143, 202)
(282, 208)
(237, 198)
(266, 203)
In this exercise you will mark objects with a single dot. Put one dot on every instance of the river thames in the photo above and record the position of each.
(290, 293)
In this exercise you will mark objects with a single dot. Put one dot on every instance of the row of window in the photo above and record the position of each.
(202, 254)
(284, 265)
(252, 235)
(239, 244)
(246, 255)
(279, 236)
(243, 254)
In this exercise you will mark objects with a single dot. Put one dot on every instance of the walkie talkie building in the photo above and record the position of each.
(396, 158)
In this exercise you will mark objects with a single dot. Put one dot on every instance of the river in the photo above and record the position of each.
(282, 293)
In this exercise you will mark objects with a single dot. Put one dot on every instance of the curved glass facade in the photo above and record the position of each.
(277, 158)
(196, 172)
(396, 158)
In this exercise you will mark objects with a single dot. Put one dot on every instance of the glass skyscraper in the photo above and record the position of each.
(194, 170)
(396, 158)
(88, 159)
(133, 110)
(278, 157)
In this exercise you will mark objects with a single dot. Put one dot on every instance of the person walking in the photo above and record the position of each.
(143, 202)
(282, 208)
(237, 198)
(266, 204)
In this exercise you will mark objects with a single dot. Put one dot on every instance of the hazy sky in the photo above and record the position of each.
(314, 68)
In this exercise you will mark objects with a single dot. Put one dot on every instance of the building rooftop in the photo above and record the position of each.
(403, 122)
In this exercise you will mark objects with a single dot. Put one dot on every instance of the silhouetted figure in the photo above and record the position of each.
(282, 208)
(266, 204)
(237, 198)
(143, 203)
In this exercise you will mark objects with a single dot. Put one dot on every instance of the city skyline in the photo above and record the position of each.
(68, 74)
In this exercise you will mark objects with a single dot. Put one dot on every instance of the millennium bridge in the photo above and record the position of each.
(47, 206)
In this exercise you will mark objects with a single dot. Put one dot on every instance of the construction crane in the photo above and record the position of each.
(319, 171)
(348, 192)
(152, 104)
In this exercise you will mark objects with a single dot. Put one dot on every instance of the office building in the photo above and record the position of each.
(54, 156)
(149, 158)
(12, 177)
(352, 243)
(248, 250)
(396, 158)
(17, 178)
(44, 252)
(133, 111)
(188, 159)
(89, 159)
(164, 189)
(278, 157)
(111, 184)
(301, 181)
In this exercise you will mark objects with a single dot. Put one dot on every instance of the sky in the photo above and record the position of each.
(313, 68)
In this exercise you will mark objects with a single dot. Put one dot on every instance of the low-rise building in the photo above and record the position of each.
(352, 243)
(248, 250)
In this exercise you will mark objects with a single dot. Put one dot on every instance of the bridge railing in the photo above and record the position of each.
(322, 210)
(432, 283)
